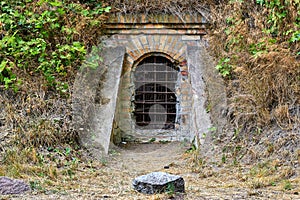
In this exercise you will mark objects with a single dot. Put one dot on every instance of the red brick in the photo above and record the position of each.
(156, 39)
(130, 59)
(134, 54)
(130, 46)
(151, 42)
(144, 40)
(180, 52)
(162, 42)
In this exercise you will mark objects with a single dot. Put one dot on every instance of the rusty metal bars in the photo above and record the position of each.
(155, 99)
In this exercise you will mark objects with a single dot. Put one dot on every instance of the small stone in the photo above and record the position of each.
(12, 186)
(158, 182)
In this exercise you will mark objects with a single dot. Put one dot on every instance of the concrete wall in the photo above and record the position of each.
(95, 97)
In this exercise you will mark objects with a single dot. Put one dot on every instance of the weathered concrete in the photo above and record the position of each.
(216, 101)
(95, 97)
(200, 122)
(158, 182)
(215, 90)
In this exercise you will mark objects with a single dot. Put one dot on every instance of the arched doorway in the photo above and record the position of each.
(155, 100)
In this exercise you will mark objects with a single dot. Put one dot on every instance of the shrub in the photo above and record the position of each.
(46, 37)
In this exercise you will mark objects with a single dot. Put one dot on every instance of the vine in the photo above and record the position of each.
(46, 37)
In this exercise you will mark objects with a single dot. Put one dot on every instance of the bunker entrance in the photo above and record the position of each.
(155, 104)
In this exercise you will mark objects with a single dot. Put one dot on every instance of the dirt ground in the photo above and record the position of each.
(112, 177)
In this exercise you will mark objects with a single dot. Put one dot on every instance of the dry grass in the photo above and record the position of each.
(36, 135)
(154, 7)
(264, 88)
(93, 180)
(38, 118)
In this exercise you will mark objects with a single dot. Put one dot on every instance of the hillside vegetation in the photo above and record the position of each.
(44, 42)
(258, 46)
(42, 45)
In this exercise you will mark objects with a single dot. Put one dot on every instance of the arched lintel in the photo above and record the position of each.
(155, 53)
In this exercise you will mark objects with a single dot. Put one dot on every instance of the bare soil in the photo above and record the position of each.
(112, 177)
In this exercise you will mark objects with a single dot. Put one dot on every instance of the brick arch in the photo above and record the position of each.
(153, 53)
(167, 44)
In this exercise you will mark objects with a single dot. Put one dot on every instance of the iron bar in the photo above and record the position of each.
(155, 100)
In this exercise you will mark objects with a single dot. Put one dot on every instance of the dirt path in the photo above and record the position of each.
(113, 179)
(145, 158)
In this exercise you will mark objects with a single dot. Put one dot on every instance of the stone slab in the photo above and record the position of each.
(94, 98)
(12, 186)
(158, 182)
(190, 37)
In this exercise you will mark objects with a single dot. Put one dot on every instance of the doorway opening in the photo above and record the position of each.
(155, 103)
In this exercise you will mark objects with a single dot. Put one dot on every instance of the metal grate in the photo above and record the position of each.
(155, 100)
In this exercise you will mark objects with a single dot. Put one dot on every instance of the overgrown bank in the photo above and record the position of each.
(257, 44)
(43, 43)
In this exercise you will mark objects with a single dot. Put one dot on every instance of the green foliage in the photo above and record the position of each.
(192, 149)
(288, 185)
(212, 129)
(44, 38)
(279, 13)
(257, 44)
(7, 77)
(257, 49)
(170, 189)
(296, 36)
(223, 158)
(152, 140)
(36, 186)
(224, 67)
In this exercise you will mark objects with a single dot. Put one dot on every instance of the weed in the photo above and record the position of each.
(41, 42)
(113, 152)
(224, 67)
(164, 141)
(193, 148)
(67, 151)
(103, 161)
(273, 183)
(223, 158)
(246, 60)
(36, 185)
(255, 184)
(170, 189)
(212, 129)
(270, 148)
(152, 140)
(235, 162)
(69, 172)
(287, 185)
(208, 108)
